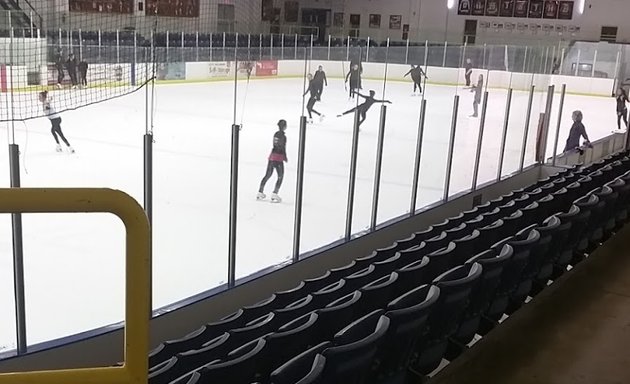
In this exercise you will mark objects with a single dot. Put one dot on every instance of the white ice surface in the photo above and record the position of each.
(74, 265)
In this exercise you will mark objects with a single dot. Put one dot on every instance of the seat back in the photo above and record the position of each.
(238, 367)
(297, 367)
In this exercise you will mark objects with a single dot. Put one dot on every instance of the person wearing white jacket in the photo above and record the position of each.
(55, 121)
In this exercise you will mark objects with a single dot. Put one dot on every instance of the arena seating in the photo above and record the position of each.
(404, 308)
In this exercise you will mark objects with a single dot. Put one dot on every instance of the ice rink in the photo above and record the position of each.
(74, 264)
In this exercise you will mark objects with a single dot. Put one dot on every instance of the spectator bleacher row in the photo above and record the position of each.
(406, 307)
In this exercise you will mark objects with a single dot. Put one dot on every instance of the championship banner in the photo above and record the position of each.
(507, 8)
(535, 9)
(551, 10)
(492, 7)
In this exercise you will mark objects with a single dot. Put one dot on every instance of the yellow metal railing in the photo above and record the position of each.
(137, 279)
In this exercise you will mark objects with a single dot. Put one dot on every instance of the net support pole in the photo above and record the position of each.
(271, 47)
(329, 43)
(100, 43)
(117, 46)
(30, 21)
(233, 206)
(249, 46)
(506, 123)
(348, 50)
(59, 32)
(353, 177)
(18, 255)
(282, 47)
(80, 45)
(483, 66)
(524, 59)
(482, 125)
(561, 61)
(426, 54)
(260, 46)
(182, 45)
(211, 46)
(577, 63)
(223, 47)
(407, 52)
(167, 44)
(378, 167)
(236, 49)
(594, 64)
(417, 162)
(451, 146)
(197, 46)
(526, 130)
(311, 49)
(367, 53)
(560, 109)
(299, 190)
(296, 47)
(148, 175)
(444, 56)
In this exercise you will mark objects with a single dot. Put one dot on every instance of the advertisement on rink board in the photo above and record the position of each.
(267, 68)
(219, 68)
(171, 71)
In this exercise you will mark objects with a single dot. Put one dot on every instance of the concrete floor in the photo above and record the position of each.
(576, 331)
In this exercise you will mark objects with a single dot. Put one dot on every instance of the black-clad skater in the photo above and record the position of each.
(60, 65)
(354, 75)
(313, 89)
(365, 106)
(477, 100)
(577, 131)
(55, 121)
(468, 67)
(276, 160)
(83, 69)
(622, 110)
(319, 80)
(71, 66)
(416, 73)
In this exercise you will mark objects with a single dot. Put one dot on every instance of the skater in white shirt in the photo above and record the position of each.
(55, 121)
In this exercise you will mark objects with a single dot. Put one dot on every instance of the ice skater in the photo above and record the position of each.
(469, 69)
(622, 110)
(577, 131)
(362, 108)
(83, 69)
(71, 66)
(416, 73)
(354, 75)
(320, 80)
(59, 65)
(313, 88)
(477, 90)
(55, 121)
(276, 160)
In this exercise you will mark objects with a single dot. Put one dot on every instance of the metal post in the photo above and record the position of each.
(233, 206)
(451, 146)
(223, 48)
(282, 47)
(416, 168)
(271, 47)
(61, 36)
(148, 175)
(577, 64)
(348, 49)
(30, 19)
(444, 56)
(594, 63)
(367, 56)
(506, 123)
(353, 176)
(378, 167)
(482, 126)
(211, 46)
(561, 107)
(299, 190)
(197, 46)
(311, 53)
(296, 47)
(561, 61)
(249, 46)
(117, 46)
(18, 255)
(182, 48)
(484, 56)
(407, 52)
(80, 45)
(426, 54)
(546, 60)
(100, 44)
(525, 59)
(329, 42)
(616, 71)
(546, 120)
(168, 43)
(260, 48)
(526, 132)
(236, 49)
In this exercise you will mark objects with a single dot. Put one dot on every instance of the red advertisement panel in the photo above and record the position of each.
(267, 68)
